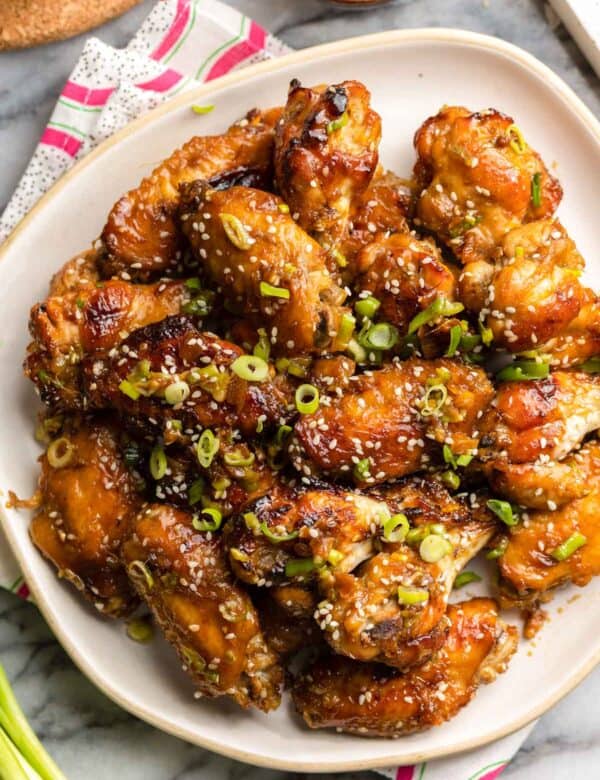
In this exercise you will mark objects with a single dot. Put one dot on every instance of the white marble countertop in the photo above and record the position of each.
(90, 737)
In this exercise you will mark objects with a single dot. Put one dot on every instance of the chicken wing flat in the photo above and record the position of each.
(175, 352)
(374, 700)
(182, 574)
(84, 320)
(479, 179)
(326, 155)
(267, 267)
(88, 497)
(405, 275)
(392, 608)
(390, 421)
(541, 419)
(141, 237)
(543, 553)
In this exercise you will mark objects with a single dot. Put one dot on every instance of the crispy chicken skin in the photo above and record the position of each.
(244, 241)
(175, 349)
(390, 421)
(405, 275)
(141, 237)
(182, 574)
(326, 155)
(476, 176)
(362, 616)
(84, 319)
(528, 568)
(541, 419)
(374, 700)
(88, 497)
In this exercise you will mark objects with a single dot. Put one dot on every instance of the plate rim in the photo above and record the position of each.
(372, 41)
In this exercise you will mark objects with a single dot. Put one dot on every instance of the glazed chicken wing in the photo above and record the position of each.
(478, 179)
(182, 574)
(88, 497)
(326, 155)
(374, 700)
(141, 237)
(267, 267)
(390, 421)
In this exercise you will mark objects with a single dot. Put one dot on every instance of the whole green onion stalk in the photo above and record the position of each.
(22, 755)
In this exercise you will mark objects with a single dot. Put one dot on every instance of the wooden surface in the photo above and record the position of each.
(26, 23)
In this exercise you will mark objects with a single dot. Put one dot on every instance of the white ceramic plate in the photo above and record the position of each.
(410, 74)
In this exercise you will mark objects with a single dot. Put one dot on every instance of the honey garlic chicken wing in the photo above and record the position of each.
(268, 268)
(326, 155)
(183, 576)
(392, 608)
(540, 420)
(173, 370)
(479, 179)
(390, 421)
(88, 497)
(141, 237)
(405, 275)
(374, 700)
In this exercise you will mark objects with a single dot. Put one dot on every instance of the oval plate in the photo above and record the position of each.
(410, 73)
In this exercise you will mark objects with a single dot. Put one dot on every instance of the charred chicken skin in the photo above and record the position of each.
(374, 700)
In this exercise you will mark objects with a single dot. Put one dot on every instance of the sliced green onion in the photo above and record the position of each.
(216, 518)
(262, 348)
(339, 258)
(128, 389)
(270, 291)
(196, 491)
(346, 328)
(202, 109)
(381, 336)
(337, 124)
(177, 392)
(277, 538)
(517, 141)
(357, 352)
(451, 479)
(395, 528)
(536, 189)
(467, 223)
(503, 510)
(207, 448)
(498, 551)
(523, 370)
(60, 452)
(367, 307)
(283, 208)
(362, 469)
(441, 307)
(465, 578)
(193, 283)
(434, 400)
(307, 399)
(335, 557)
(235, 231)
(487, 334)
(456, 333)
(591, 366)
(299, 566)
(452, 460)
(200, 305)
(468, 342)
(251, 368)
(433, 548)
(137, 568)
(237, 458)
(412, 596)
(140, 630)
(568, 547)
(158, 462)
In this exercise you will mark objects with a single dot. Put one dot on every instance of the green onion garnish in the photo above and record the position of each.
(235, 231)
(128, 389)
(299, 566)
(465, 578)
(346, 328)
(568, 547)
(536, 189)
(517, 141)
(60, 452)
(140, 630)
(307, 399)
(158, 462)
(441, 307)
(176, 393)
(251, 368)
(452, 460)
(337, 124)
(262, 348)
(270, 291)
(362, 469)
(433, 548)
(456, 333)
(412, 596)
(357, 352)
(193, 283)
(283, 208)
(216, 518)
(434, 400)
(202, 109)
(237, 458)
(523, 370)
(207, 448)
(340, 258)
(137, 568)
(200, 305)
(367, 307)
(196, 491)
(503, 510)
(381, 336)
(395, 528)
(487, 334)
(282, 433)
(451, 479)
(277, 538)
(498, 551)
